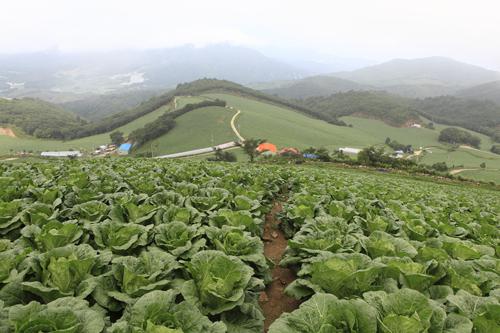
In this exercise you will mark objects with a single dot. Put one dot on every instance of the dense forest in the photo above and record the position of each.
(391, 109)
(38, 118)
(478, 115)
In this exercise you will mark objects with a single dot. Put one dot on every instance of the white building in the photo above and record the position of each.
(416, 126)
(347, 150)
(73, 153)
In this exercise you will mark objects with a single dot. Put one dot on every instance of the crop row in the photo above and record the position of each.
(155, 246)
(379, 254)
(132, 246)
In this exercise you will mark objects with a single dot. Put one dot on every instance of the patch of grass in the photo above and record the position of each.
(461, 156)
(483, 175)
(199, 128)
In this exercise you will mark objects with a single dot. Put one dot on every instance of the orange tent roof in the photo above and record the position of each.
(266, 146)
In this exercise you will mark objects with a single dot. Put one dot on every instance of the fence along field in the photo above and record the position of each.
(176, 246)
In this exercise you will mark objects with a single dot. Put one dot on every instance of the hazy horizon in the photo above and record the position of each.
(373, 31)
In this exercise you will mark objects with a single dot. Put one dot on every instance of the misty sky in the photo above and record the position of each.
(379, 30)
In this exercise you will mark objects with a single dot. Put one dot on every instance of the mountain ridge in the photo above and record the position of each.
(430, 70)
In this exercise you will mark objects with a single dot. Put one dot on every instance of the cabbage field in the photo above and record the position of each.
(131, 246)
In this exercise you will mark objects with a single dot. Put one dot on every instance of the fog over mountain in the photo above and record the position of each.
(158, 68)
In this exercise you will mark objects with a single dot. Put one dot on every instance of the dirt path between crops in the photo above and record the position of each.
(7, 132)
(478, 150)
(457, 171)
(273, 300)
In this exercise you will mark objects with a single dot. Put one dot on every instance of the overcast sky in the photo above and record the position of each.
(467, 30)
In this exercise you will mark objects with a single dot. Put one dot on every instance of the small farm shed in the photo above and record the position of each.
(124, 148)
(266, 146)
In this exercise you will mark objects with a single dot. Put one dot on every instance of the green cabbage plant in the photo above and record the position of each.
(158, 311)
(218, 282)
(325, 313)
(66, 271)
(67, 314)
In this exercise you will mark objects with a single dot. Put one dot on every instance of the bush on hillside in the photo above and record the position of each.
(455, 135)
(223, 156)
(399, 146)
(440, 166)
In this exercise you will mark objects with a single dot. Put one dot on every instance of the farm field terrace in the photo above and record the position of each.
(141, 245)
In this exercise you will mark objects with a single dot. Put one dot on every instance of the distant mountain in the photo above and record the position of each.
(433, 71)
(316, 86)
(315, 63)
(487, 91)
(149, 69)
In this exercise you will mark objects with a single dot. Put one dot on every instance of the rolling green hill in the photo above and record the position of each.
(37, 118)
(199, 128)
(288, 128)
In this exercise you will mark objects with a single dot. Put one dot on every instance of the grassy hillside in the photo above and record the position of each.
(281, 125)
(316, 86)
(37, 118)
(488, 91)
(482, 175)
(199, 128)
(286, 127)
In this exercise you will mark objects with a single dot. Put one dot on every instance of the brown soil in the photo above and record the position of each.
(273, 300)
(7, 132)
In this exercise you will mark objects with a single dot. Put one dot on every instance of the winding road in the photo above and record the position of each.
(233, 127)
(223, 146)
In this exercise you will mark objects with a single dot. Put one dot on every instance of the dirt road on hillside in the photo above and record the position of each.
(7, 132)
